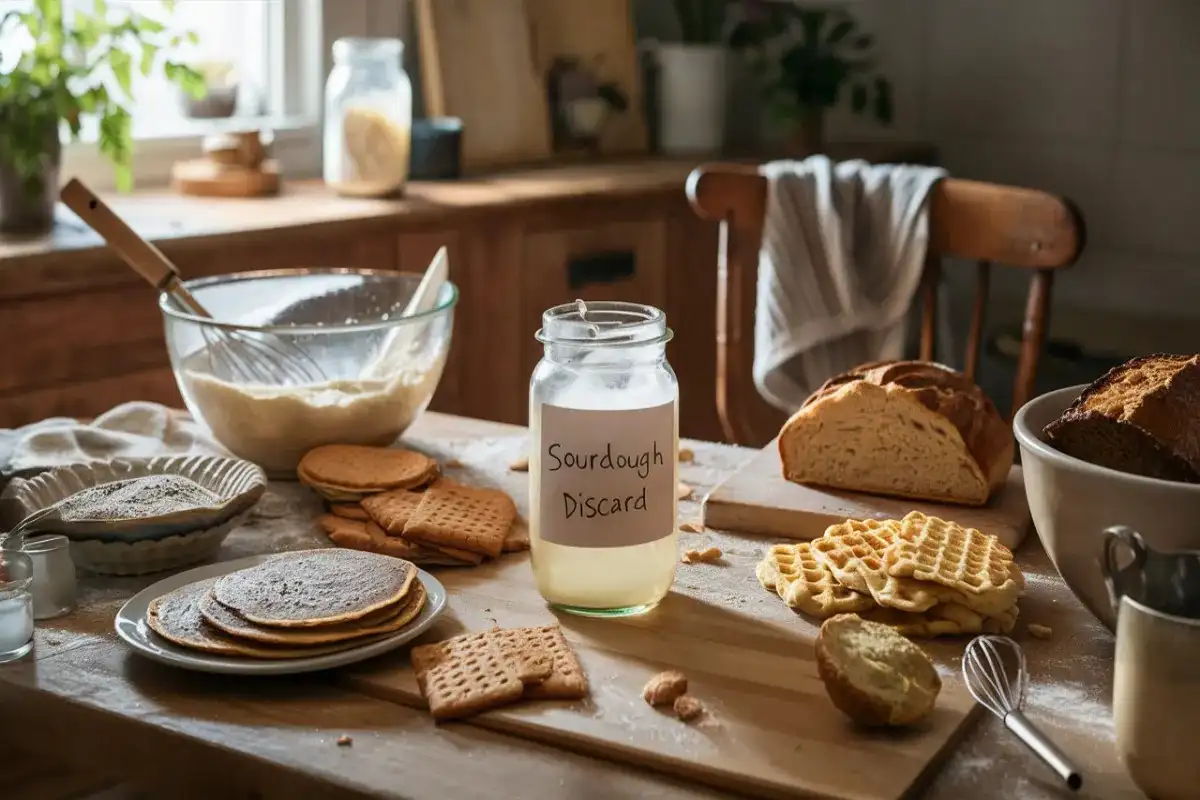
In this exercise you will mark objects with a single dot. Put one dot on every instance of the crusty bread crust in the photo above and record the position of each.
(1142, 417)
(949, 395)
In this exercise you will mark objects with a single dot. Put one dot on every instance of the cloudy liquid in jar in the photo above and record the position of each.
(603, 476)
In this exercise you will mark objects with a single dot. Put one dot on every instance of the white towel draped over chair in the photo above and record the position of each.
(842, 255)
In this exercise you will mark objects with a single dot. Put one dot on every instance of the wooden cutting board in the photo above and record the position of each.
(771, 730)
(479, 63)
(757, 499)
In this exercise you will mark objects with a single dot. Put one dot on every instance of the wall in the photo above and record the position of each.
(1095, 99)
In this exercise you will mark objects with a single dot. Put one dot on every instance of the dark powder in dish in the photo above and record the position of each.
(137, 498)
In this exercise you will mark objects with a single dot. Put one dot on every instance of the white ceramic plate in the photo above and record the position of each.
(132, 628)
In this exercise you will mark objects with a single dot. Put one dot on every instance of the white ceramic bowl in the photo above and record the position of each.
(1072, 502)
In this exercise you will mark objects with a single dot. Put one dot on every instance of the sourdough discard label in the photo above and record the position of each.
(607, 478)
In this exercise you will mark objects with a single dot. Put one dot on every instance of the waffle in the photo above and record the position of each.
(970, 564)
(856, 552)
(806, 585)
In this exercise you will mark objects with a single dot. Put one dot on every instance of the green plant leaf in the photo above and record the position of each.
(840, 31)
(193, 37)
(100, 8)
(863, 42)
(858, 98)
(169, 5)
(884, 108)
(149, 53)
(121, 64)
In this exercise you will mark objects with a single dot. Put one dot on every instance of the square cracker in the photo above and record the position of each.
(392, 510)
(465, 675)
(462, 517)
(533, 663)
(517, 537)
(567, 681)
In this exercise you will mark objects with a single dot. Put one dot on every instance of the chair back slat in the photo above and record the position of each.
(980, 222)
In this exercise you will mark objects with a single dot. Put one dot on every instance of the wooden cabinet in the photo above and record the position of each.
(80, 333)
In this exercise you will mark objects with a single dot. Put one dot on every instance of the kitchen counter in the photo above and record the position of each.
(94, 705)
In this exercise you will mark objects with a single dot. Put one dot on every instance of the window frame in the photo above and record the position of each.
(297, 88)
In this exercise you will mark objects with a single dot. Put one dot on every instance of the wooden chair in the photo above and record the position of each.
(982, 222)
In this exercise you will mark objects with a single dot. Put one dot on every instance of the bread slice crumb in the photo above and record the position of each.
(706, 556)
(692, 527)
(683, 491)
(521, 464)
(1040, 631)
(344, 741)
(686, 456)
(688, 708)
(665, 687)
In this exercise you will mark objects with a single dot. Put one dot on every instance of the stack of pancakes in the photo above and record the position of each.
(393, 501)
(922, 575)
(295, 605)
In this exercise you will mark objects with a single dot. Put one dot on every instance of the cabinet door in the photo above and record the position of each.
(607, 261)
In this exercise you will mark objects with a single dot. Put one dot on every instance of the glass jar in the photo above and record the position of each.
(368, 118)
(16, 605)
(53, 588)
(604, 428)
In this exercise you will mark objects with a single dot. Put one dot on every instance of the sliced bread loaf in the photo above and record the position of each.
(873, 674)
(910, 429)
(1142, 417)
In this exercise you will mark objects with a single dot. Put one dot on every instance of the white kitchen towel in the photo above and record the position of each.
(131, 430)
(842, 254)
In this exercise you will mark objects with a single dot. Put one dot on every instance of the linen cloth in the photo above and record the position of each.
(842, 255)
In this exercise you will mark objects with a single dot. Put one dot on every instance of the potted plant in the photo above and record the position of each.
(70, 71)
(807, 58)
(692, 79)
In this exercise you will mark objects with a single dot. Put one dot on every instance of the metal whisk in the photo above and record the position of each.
(1002, 691)
(234, 355)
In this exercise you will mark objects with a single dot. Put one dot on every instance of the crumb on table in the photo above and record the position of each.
(665, 687)
(687, 708)
(692, 527)
(344, 741)
(706, 556)
(686, 456)
(683, 491)
(521, 464)
(1040, 631)
(452, 463)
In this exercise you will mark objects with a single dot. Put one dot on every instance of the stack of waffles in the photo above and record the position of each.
(922, 575)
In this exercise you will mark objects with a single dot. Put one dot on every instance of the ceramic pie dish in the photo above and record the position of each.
(236, 484)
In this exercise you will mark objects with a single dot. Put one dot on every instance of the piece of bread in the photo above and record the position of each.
(1142, 417)
(873, 674)
(910, 429)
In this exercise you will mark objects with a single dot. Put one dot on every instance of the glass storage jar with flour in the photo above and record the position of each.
(604, 435)
(368, 118)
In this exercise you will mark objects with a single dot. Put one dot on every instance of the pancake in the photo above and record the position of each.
(176, 617)
(311, 588)
(393, 620)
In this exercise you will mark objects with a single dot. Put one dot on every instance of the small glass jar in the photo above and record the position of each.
(604, 441)
(16, 605)
(368, 118)
(53, 587)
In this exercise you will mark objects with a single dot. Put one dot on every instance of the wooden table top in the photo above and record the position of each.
(88, 700)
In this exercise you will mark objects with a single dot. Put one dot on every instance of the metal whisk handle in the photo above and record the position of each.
(1045, 749)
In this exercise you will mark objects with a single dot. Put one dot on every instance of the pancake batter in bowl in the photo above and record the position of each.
(274, 426)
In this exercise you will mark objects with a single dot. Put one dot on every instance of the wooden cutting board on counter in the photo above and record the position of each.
(757, 499)
(770, 729)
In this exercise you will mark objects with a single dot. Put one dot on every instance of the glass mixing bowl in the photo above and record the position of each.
(296, 358)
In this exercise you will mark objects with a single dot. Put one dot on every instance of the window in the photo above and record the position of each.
(262, 62)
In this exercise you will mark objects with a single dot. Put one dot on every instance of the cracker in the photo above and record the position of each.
(462, 517)
(692, 527)
(567, 681)
(354, 534)
(465, 675)
(357, 468)
(392, 510)
(517, 538)
(349, 511)
(533, 663)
